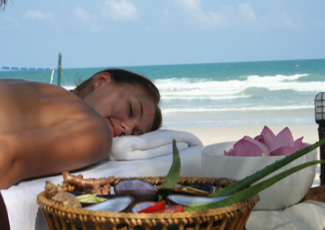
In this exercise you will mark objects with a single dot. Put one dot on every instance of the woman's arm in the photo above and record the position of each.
(69, 145)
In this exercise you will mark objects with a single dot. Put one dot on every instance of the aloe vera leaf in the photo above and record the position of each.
(174, 171)
(247, 181)
(86, 197)
(90, 198)
(254, 189)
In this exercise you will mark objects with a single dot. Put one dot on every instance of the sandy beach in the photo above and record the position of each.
(211, 135)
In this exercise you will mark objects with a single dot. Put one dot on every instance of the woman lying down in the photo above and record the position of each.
(46, 129)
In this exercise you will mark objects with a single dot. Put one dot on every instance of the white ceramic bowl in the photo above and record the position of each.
(284, 193)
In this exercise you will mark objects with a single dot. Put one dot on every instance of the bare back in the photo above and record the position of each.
(44, 129)
(29, 105)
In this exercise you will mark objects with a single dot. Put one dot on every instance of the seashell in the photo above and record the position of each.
(140, 190)
(115, 204)
(141, 205)
(186, 200)
(190, 190)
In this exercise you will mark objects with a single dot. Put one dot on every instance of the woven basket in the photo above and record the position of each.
(61, 217)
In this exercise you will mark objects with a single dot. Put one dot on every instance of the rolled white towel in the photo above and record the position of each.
(151, 144)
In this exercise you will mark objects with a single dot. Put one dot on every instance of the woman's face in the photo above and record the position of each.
(127, 108)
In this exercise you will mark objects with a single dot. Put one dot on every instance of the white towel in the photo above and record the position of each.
(151, 144)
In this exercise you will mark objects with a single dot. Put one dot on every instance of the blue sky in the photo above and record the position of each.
(112, 33)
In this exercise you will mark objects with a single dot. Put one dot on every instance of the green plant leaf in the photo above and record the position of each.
(174, 171)
(246, 182)
(254, 189)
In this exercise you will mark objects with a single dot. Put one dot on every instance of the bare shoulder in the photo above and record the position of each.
(26, 105)
(40, 105)
(45, 129)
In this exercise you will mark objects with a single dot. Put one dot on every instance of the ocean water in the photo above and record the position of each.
(221, 94)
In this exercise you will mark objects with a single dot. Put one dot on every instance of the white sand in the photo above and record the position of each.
(219, 134)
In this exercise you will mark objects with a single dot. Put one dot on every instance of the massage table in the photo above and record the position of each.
(23, 211)
(20, 199)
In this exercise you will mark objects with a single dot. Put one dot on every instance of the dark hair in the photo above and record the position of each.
(124, 76)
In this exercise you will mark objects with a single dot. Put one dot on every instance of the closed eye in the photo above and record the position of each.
(130, 110)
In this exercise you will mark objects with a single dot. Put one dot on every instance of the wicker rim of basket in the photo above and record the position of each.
(77, 213)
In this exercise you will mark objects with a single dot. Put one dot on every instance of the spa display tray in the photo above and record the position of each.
(60, 217)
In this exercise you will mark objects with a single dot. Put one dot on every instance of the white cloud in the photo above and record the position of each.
(37, 14)
(121, 10)
(13, 22)
(247, 11)
(197, 17)
(84, 19)
(192, 5)
(81, 15)
(289, 22)
(240, 15)
(279, 20)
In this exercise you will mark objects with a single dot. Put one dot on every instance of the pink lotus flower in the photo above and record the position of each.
(267, 144)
